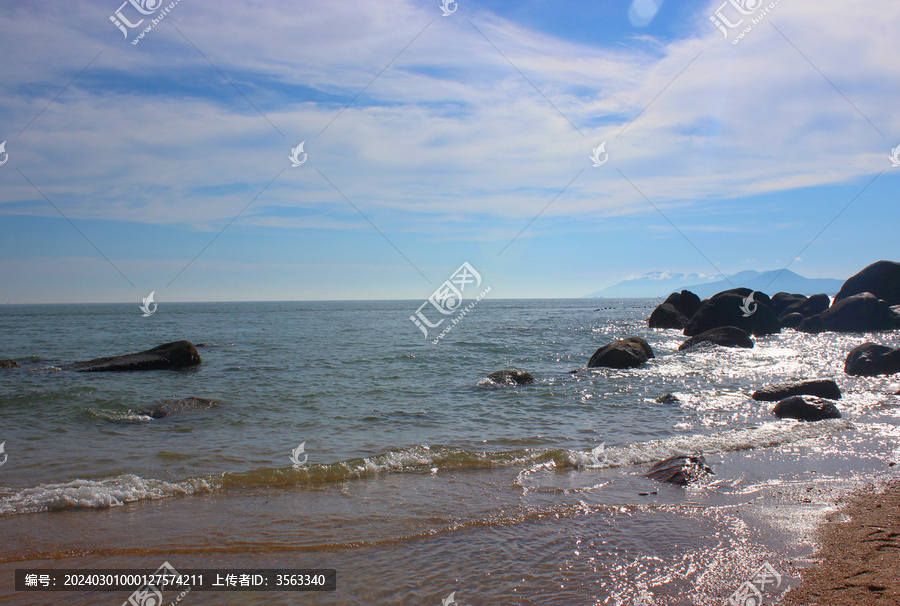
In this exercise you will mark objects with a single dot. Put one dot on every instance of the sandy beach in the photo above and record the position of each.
(859, 553)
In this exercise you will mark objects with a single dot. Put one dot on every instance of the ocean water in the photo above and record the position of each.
(422, 477)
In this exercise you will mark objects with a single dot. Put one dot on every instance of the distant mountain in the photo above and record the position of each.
(661, 284)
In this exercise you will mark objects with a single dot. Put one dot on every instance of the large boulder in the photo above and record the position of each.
(679, 470)
(859, 313)
(511, 376)
(812, 306)
(9, 364)
(871, 359)
(686, 302)
(164, 409)
(823, 388)
(727, 309)
(881, 278)
(783, 300)
(725, 336)
(625, 353)
(806, 409)
(169, 356)
(813, 325)
(666, 316)
(792, 320)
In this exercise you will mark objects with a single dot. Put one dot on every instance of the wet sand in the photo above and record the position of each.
(859, 554)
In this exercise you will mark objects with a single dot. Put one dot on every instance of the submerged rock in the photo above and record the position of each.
(511, 376)
(872, 359)
(881, 278)
(625, 353)
(169, 356)
(823, 388)
(669, 398)
(679, 470)
(726, 336)
(9, 364)
(806, 409)
(169, 407)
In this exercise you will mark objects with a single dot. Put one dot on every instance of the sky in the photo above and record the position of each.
(163, 163)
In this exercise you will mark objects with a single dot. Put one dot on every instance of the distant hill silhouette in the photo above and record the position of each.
(661, 284)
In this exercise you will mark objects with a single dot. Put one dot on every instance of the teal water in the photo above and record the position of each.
(422, 477)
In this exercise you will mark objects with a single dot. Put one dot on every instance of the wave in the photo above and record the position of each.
(128, 488)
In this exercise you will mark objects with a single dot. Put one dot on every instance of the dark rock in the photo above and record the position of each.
(812, 306)
(186, 405)
(625, 353)
(726, 336)
(792, 320)
(666, 316)
(679, 470)
(783, 300)
(813, 325)
(668, 399)
(178, 354)
(871, 359)
(511, 376)
(686, 302)
(823, 388)
(727, 309)
(881, 278)
(9, 364)
(806, 409)
(859, 313)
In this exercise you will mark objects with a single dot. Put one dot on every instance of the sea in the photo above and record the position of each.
(346, 440)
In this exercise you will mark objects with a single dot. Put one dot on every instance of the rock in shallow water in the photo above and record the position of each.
(169, 356)
(511, 376)
(823, 388)
(9, 364)
(726, 336)
(666, 316)
(625, 353)
(679, 470)
(806, 409)
(186, 405)
(872, 359)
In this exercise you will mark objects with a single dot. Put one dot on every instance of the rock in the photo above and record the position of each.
(859, 313)
(666, 316)
(813, 325)
(9, 364)
(806, 409)
(783, 300)
(881, 278)
(823, 388)
(726, 309)
(686, 302)
(871, 359)
(668, 399)
(169, 356)
(812, 306)
(625, 353)
(679, 470)
(186, 405)
(511, 376)
(792, 320)
(726, 336)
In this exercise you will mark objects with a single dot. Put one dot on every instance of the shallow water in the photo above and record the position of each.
(422, 478)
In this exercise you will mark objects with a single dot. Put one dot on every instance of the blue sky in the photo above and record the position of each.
(163, 166)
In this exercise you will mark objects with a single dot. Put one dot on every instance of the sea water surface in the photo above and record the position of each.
(421, 477)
